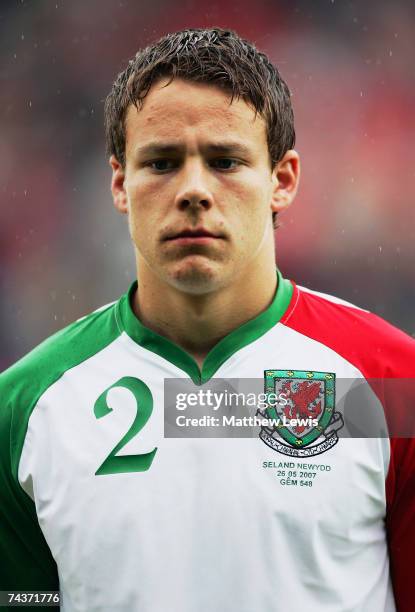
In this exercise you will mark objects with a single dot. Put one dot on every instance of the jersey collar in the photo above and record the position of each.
(222, 351)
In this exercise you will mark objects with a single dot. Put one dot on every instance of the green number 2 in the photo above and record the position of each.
(117, 464)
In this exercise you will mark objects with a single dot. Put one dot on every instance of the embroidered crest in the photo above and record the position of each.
(305, 422)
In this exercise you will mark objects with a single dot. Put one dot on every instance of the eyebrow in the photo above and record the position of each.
(167, 148)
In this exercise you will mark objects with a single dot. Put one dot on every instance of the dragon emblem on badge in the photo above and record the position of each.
(305, 423)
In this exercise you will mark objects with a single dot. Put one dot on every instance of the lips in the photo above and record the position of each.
(192, 234)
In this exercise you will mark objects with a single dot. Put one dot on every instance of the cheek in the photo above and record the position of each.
(142, 204)
(252, 203)
(253, 216)
(138, 216)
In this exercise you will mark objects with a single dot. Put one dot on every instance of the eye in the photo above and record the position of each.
(162, 165)
(225, 163)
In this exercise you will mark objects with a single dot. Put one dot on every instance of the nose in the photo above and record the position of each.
(194, 191)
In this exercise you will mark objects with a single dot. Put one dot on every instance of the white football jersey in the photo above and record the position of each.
(99, 503)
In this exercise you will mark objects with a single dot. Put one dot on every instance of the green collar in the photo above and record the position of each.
(222, 351)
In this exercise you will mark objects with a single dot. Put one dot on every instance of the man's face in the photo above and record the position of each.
(198, 186)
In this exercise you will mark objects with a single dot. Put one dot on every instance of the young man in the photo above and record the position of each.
(95, 500)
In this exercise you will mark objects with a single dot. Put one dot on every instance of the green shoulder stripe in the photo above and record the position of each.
(27, 563)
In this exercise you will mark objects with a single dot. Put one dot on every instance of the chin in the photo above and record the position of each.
(196, 277)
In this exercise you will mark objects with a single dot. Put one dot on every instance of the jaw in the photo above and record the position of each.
(202, 269)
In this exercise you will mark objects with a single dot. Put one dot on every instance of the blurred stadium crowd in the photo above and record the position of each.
(349, 65)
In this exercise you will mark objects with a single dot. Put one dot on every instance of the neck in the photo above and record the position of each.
(198, 322)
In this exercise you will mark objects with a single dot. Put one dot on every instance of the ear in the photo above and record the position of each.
(285, 178)
(119, 194)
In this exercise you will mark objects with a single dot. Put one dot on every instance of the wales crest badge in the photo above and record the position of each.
(303, 420)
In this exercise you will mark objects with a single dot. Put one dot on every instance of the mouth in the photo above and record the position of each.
(196, 236)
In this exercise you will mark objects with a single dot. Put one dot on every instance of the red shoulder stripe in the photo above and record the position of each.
(380, 351)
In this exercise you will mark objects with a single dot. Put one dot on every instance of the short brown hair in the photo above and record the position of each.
(215, 56)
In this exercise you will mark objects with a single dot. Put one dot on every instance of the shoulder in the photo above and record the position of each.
(374, 346)
(29, 377)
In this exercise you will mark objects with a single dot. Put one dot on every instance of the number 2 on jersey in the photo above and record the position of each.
(114, 463)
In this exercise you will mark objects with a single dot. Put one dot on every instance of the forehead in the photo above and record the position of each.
(183, 109)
